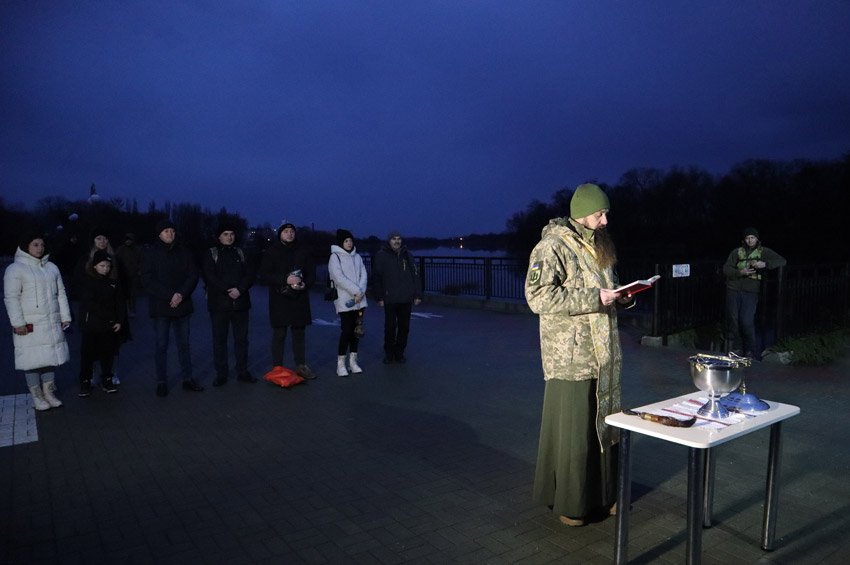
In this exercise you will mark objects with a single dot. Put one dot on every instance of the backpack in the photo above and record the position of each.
(214, 253)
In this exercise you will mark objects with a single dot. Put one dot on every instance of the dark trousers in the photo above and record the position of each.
(348, 320)
(162, 327)
(396, 327)
(299, 347)
(221, 322)
(741, 317)
(100, 347)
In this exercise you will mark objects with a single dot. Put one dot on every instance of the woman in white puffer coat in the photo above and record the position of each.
(38, 311)
(348, 274)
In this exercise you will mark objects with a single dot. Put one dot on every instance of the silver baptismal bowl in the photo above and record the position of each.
(717, 375)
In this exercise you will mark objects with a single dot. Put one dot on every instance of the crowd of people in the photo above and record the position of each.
(103, 285)
(571, 284)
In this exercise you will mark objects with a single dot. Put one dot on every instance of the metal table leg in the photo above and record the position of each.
(708, 492)
(696, 477)
(624, 499)
(772, 491)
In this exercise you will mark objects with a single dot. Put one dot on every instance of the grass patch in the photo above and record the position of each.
(813, 350)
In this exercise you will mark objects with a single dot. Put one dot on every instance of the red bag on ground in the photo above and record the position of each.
(283, 377)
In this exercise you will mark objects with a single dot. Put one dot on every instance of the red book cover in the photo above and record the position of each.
(637, 286)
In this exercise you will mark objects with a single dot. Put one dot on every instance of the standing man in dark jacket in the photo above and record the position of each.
(396, 289)
(288, 271)
(170, 276)
(229, 276)
(743, 269)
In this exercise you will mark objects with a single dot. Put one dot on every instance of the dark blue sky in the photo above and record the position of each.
(435, 118)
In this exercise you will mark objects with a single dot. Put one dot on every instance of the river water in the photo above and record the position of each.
(457, 252)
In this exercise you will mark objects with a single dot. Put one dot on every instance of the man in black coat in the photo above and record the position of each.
(170, 276)
(397, 288)
(289, 272)
(229, 275)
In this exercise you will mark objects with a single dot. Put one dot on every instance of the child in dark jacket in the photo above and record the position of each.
(103, 321)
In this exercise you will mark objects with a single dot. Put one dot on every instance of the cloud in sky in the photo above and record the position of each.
(436, 118)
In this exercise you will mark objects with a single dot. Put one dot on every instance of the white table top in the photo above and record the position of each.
(699, 437)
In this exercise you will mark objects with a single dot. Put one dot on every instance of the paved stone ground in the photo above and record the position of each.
(429, 462)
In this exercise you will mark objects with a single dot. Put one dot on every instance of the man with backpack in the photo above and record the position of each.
(229, 276)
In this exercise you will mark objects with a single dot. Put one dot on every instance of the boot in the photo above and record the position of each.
(38, 401)
(108, 384)
(48, 389)
(341, 371)
(85, 388)
(352, 362)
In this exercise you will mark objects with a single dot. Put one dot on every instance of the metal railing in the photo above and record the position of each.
(474, 276)
(794, 300)
(485, 277)
(810, 298)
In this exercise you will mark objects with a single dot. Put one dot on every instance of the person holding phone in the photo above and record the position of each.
(347, 271)
(38, 310)
(289, 273)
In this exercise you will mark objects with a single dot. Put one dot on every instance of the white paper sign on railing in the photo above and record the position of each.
(681, 271)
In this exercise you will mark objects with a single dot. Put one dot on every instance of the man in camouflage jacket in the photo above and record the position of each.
(569, 285)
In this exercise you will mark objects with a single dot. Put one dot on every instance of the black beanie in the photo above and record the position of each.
(163, 224)
(96, 231)
(751, 231)
(223, 227)
(27, 238)
(342, 235)
(283, 226)
(100, 256)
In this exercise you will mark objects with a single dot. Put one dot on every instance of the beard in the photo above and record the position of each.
(606, 253)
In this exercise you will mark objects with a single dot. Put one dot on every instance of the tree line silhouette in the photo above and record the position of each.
(67, 224)
(686, 214)
(64, 222)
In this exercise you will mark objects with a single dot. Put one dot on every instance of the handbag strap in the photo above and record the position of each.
(331, 283)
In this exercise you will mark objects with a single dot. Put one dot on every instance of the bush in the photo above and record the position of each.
(818, 349)
(706, 338)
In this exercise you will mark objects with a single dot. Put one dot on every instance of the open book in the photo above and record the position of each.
(636, 286)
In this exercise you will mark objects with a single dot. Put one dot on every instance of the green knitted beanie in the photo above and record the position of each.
(587, 199)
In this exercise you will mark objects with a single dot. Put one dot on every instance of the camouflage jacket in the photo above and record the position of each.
(579, 339)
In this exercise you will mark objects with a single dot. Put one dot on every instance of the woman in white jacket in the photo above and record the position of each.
(38, 311)
(348, 274)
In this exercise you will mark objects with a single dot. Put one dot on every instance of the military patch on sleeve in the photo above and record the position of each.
(534, 274)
